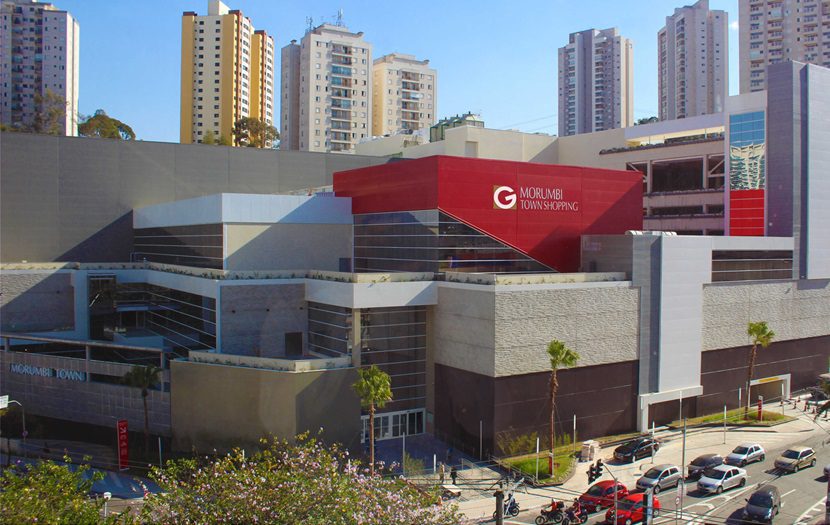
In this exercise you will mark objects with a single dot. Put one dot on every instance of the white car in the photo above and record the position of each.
(745, 453)
(721, 478)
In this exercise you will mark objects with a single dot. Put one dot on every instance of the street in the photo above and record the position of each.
(802, 493)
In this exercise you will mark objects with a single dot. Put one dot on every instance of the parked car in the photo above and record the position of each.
(660, 477)
(721, 478)
(632, 509)
(601, 495)
(635, 449)
(702, 463)
(795, 458)
(745, 453)
(762, 506)
(827, 471)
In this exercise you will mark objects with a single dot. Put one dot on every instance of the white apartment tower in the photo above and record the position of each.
(227, 73)
(326, 90)
(773, 31)
(693, 54)
(596, 83)
(404, 94)
(39, 51)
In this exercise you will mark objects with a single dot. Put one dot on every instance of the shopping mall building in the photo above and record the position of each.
(451, 274)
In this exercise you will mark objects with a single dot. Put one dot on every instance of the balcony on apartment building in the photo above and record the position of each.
(409, 75)
(341, 71)
(341, 82)
(342, 60)
(339, 114)
(339, 49)
(410, 86)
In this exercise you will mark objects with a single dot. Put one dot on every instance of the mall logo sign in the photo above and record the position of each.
(45, 371)
(532, 198)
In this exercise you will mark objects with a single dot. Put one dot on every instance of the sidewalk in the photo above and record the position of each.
(699, 440)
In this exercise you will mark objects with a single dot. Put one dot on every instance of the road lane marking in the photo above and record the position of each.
(807, 515)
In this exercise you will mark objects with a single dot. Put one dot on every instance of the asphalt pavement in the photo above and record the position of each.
(803, 493)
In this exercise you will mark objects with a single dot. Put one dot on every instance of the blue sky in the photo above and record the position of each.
(495, 58)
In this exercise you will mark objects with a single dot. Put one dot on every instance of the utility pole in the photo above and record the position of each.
(683, 466)
(499, 507)
(827, 504)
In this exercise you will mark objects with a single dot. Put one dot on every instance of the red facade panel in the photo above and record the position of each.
(539, 209)
(746, 212)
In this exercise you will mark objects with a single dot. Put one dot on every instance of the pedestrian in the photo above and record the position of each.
(454, 474)
(441, 471)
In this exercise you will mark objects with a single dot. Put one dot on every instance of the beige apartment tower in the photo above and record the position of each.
(693, 53)
(596, 82)
(326, 90)
(773, 31)
(404, 94)
(39, 52)
(227, 73)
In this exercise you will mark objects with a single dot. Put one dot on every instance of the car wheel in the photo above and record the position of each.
(762, 458)
(719, 489)
(813, 463)
(795, 468)
(628, 521)
(742, 463)
(775, 511)
(742, 483)
(656, 513)
(656, 490)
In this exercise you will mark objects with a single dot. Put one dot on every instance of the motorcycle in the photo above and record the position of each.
(511, 507)
(574, 517)
(555, 514)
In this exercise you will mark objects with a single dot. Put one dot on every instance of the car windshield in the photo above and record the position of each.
(628, 447)
(702, 461)
(761, 499)
(714, 474)
(626, 504)
(740, 450)
(653, 473)
(596, 490)
(790, 454)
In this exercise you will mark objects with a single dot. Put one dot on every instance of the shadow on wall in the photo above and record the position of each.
(328, 402)
(112, 243)
(40, 302)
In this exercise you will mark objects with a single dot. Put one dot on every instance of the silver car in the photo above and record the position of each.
(660, 477)
(745, 453)
(721, 478)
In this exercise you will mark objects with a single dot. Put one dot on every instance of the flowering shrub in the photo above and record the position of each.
(302, 482)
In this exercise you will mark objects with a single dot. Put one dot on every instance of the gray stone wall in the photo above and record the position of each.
(84, 402)
(36, 302)
(70, 198)
(793, 309)
(598, 322)
(254, 318)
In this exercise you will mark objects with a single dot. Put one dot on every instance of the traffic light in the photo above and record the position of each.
(599, 468)
(592, 473)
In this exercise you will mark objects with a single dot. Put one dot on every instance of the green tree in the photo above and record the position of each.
(254, 133)
(209, 138)
(50, 115)
(825, 386)
(560, 357)
(760, 334)
(224, 141)
(646, 120)
(145, 378)
(103, 126)
(300, 482)
(48, 492)
(374, 390)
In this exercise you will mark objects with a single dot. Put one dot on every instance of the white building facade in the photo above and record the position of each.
(404, 94)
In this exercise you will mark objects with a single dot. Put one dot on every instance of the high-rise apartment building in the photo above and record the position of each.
(326, 90)
(773, 31)
(596, 82)
(39, 52)
(404, 94)
(227, 73)
(694, 56)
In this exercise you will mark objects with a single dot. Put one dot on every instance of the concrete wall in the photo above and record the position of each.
(597, 320)
(793, 309)
(287, 246)
(70, 199)
(463, 328)
(253, 320)
(84, 402)
(221, 407)
(817, 199)
(36, 301)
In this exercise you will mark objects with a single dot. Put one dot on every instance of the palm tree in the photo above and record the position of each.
(145, 378)
(374, 390)
(825, 386)
(560, 357)
(760, 334)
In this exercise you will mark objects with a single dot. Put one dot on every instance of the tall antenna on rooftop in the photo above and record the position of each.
(309, 24)
(339, 18)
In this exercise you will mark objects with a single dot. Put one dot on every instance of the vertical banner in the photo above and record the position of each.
(123, 448)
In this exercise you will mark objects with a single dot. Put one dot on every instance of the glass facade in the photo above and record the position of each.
(431, 241)
(197, 245)
(743, 265)
(747, 151)
(328, 329)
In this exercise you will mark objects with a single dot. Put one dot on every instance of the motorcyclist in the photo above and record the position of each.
(555, 505)
(576, 508)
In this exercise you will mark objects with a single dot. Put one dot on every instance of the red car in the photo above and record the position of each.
(631, 510)
(601, 495)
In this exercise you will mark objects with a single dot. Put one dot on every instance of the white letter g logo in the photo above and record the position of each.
(505, 202)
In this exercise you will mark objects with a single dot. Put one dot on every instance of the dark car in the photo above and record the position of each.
(636, 449)
(701, 463)
(762, 506)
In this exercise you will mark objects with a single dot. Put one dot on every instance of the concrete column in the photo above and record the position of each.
(648, 177)
(705, 170)
(88, 355)
(6, 345)
(355, 337)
